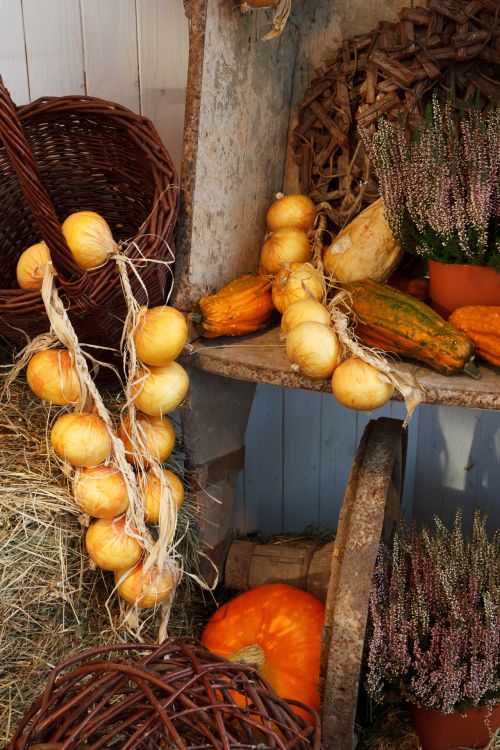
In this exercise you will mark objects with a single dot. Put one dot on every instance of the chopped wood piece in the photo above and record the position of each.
(394, 70)
(371, 85)
(449, 9)
(453, 45)
(315, 92)
(428, 65)
(416, 15)
(327, 121)
(368, 114)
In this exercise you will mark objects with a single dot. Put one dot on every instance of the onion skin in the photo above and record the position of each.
(286, 245)
(158, 435)
(161, 335)
(145, 589)
(161, 390)
(314, 348)
(356, 384)
(292, 210)
(52, 376)
(89, 238)
(81, 439)
(100, 491)
(31, 264)
(296, 281)
(302, 311)
(152, 494)
(109, 546)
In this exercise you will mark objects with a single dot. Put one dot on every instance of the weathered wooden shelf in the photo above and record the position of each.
(262, 358)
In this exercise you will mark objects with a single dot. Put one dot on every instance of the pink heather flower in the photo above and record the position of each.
(441, 188)
(434, 622)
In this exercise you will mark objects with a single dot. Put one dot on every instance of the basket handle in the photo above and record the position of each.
(75, 280)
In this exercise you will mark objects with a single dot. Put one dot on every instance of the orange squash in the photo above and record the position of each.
(276, 628)
(397, 322)
(243, 306)
(481, 323)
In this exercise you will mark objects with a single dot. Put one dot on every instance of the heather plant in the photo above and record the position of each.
(435, 618)
(441, 186)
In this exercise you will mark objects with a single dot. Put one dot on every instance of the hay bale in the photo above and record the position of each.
(51, 602)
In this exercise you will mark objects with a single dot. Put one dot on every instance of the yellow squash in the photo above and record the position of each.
(241, 307)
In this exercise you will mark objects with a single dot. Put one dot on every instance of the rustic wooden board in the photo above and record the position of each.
(262, 358)
(237, 113)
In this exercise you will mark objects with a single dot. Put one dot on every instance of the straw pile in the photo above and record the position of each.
(51, 603)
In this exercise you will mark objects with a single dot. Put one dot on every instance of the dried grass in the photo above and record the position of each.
(51, 603)
(393, 730)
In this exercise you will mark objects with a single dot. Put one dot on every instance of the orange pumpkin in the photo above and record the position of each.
(276, 628)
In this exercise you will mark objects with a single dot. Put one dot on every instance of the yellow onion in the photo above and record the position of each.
(52, 376)
(30, 266)
(296, 281)
(302, 311)
(358, 385)
(157, 434)
(161, 335)
(101, 491)
(145, 589)
(292, 210)
(152, 494)
(314, 348)
(82, 439)
(89, 238)
(161, 390)
(286, 245)
(109, 546)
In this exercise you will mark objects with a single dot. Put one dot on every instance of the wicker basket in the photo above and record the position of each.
(65, 154)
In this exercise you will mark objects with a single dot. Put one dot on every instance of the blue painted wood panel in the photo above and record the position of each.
(299, 451)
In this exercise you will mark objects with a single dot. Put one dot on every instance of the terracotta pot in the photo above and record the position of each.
(438, 731)
(453, 285)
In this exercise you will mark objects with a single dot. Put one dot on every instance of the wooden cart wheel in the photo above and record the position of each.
(342, 570)
(370, 512)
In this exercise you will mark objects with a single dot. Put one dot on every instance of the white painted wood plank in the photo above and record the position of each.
(263, 488)
(301, 465)
(54, 47)
(13, 66)
(163, 35)
(111, 56)
(338, 446)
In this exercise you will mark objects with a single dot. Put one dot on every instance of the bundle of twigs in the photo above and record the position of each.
(177, 694)
(51, 603)
(448, 46)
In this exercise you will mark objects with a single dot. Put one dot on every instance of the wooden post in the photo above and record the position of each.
(214, 422)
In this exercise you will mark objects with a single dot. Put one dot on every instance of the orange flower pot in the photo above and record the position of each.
(453, 285)
(438, 731)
